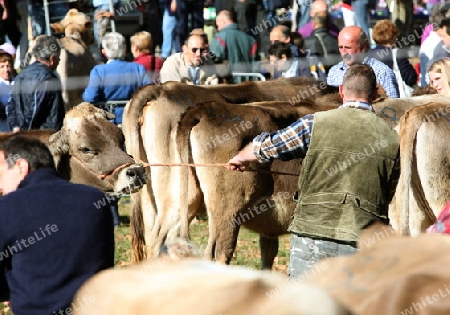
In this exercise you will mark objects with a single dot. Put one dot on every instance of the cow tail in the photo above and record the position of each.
(134, 146)
(137, 229)
(132, 114)
(185, 154)
(409, 126)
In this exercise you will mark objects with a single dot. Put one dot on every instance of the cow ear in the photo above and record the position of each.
(58, 145)
(104, 113)
(108, 115)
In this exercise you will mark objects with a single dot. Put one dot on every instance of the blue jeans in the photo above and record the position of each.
(305, 252)
(57, 11)
(423, 69)
(360, 8)
(168, 26)
(303, 14)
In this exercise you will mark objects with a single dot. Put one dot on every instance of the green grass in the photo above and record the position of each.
(246, 253)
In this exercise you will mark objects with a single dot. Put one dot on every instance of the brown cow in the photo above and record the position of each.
(153, 143)
(169, 286)
(76, 60)
(424, 184)
(89, 150)
(389, 275)
(215, 131)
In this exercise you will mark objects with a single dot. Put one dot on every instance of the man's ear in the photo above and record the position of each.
(24, 167)
(283, 57)
(341, 88)
(184, 48)
(53, 59)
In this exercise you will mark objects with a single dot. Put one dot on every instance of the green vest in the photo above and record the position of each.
(346, 175)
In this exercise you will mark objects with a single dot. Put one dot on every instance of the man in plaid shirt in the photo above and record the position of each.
(349, 172)
(353, 44)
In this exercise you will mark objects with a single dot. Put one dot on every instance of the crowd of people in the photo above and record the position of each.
(344, 58)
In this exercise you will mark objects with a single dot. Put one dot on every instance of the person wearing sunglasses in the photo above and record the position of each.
(195, 63)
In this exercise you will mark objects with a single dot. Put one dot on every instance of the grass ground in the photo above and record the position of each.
(246, 253)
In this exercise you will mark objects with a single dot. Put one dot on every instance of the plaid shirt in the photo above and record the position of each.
(293, 141)
(385, 76)
(442, 224)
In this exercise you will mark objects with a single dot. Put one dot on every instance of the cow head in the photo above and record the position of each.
(89, 149)
(76, 25)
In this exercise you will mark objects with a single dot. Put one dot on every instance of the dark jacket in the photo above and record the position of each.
(54, 236)
(36, 100)
(323, 45)
(384, 54)
(235, 46)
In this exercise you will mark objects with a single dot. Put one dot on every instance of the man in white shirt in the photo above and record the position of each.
(194, 63)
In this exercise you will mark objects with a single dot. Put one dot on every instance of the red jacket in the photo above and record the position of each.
(151, 63)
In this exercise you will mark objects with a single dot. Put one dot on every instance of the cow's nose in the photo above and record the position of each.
(136, 172)
(131, 173)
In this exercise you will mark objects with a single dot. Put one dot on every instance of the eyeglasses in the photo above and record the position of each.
(202, 50)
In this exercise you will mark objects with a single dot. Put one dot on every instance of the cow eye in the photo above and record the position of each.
(86, 150)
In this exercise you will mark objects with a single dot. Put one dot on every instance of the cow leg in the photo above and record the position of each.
(227, 235)
(269, 250)
(212, 239)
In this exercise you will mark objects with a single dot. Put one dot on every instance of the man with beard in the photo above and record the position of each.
(353, 46)
(194, 63)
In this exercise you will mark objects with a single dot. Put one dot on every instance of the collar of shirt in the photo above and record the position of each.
(5, 82)
(343, 65)
(292, 71)
(358, 104)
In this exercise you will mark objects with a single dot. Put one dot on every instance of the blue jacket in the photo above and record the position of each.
(113, 81)
(54, 236)
(36, 100)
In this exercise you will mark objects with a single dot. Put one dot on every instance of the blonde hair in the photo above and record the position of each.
(442, 66)
(143, 41)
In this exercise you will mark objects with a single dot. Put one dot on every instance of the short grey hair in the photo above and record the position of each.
(114, 45)
(45, 47)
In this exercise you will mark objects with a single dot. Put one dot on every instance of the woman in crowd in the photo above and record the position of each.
(439, 74)
(141, 48)
(385, 34)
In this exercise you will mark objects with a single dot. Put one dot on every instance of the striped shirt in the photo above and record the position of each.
(293, 141)
(385, 76)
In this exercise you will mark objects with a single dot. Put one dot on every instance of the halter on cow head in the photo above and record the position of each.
(89, 149)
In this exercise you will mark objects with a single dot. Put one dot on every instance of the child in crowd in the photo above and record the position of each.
(141, 48)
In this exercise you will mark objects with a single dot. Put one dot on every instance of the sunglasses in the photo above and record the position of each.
(202, 50)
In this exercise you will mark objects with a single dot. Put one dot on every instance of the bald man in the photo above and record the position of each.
(282, 34)
(232, 44)
(194, 63)
(353, 45)
(318, 7)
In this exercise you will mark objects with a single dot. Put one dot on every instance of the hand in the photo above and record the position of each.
(5, 13)
(236, 164)
(16, 129)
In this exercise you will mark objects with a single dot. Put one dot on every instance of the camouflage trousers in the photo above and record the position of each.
(305, 252)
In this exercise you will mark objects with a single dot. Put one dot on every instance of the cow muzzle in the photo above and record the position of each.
(130, 179)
